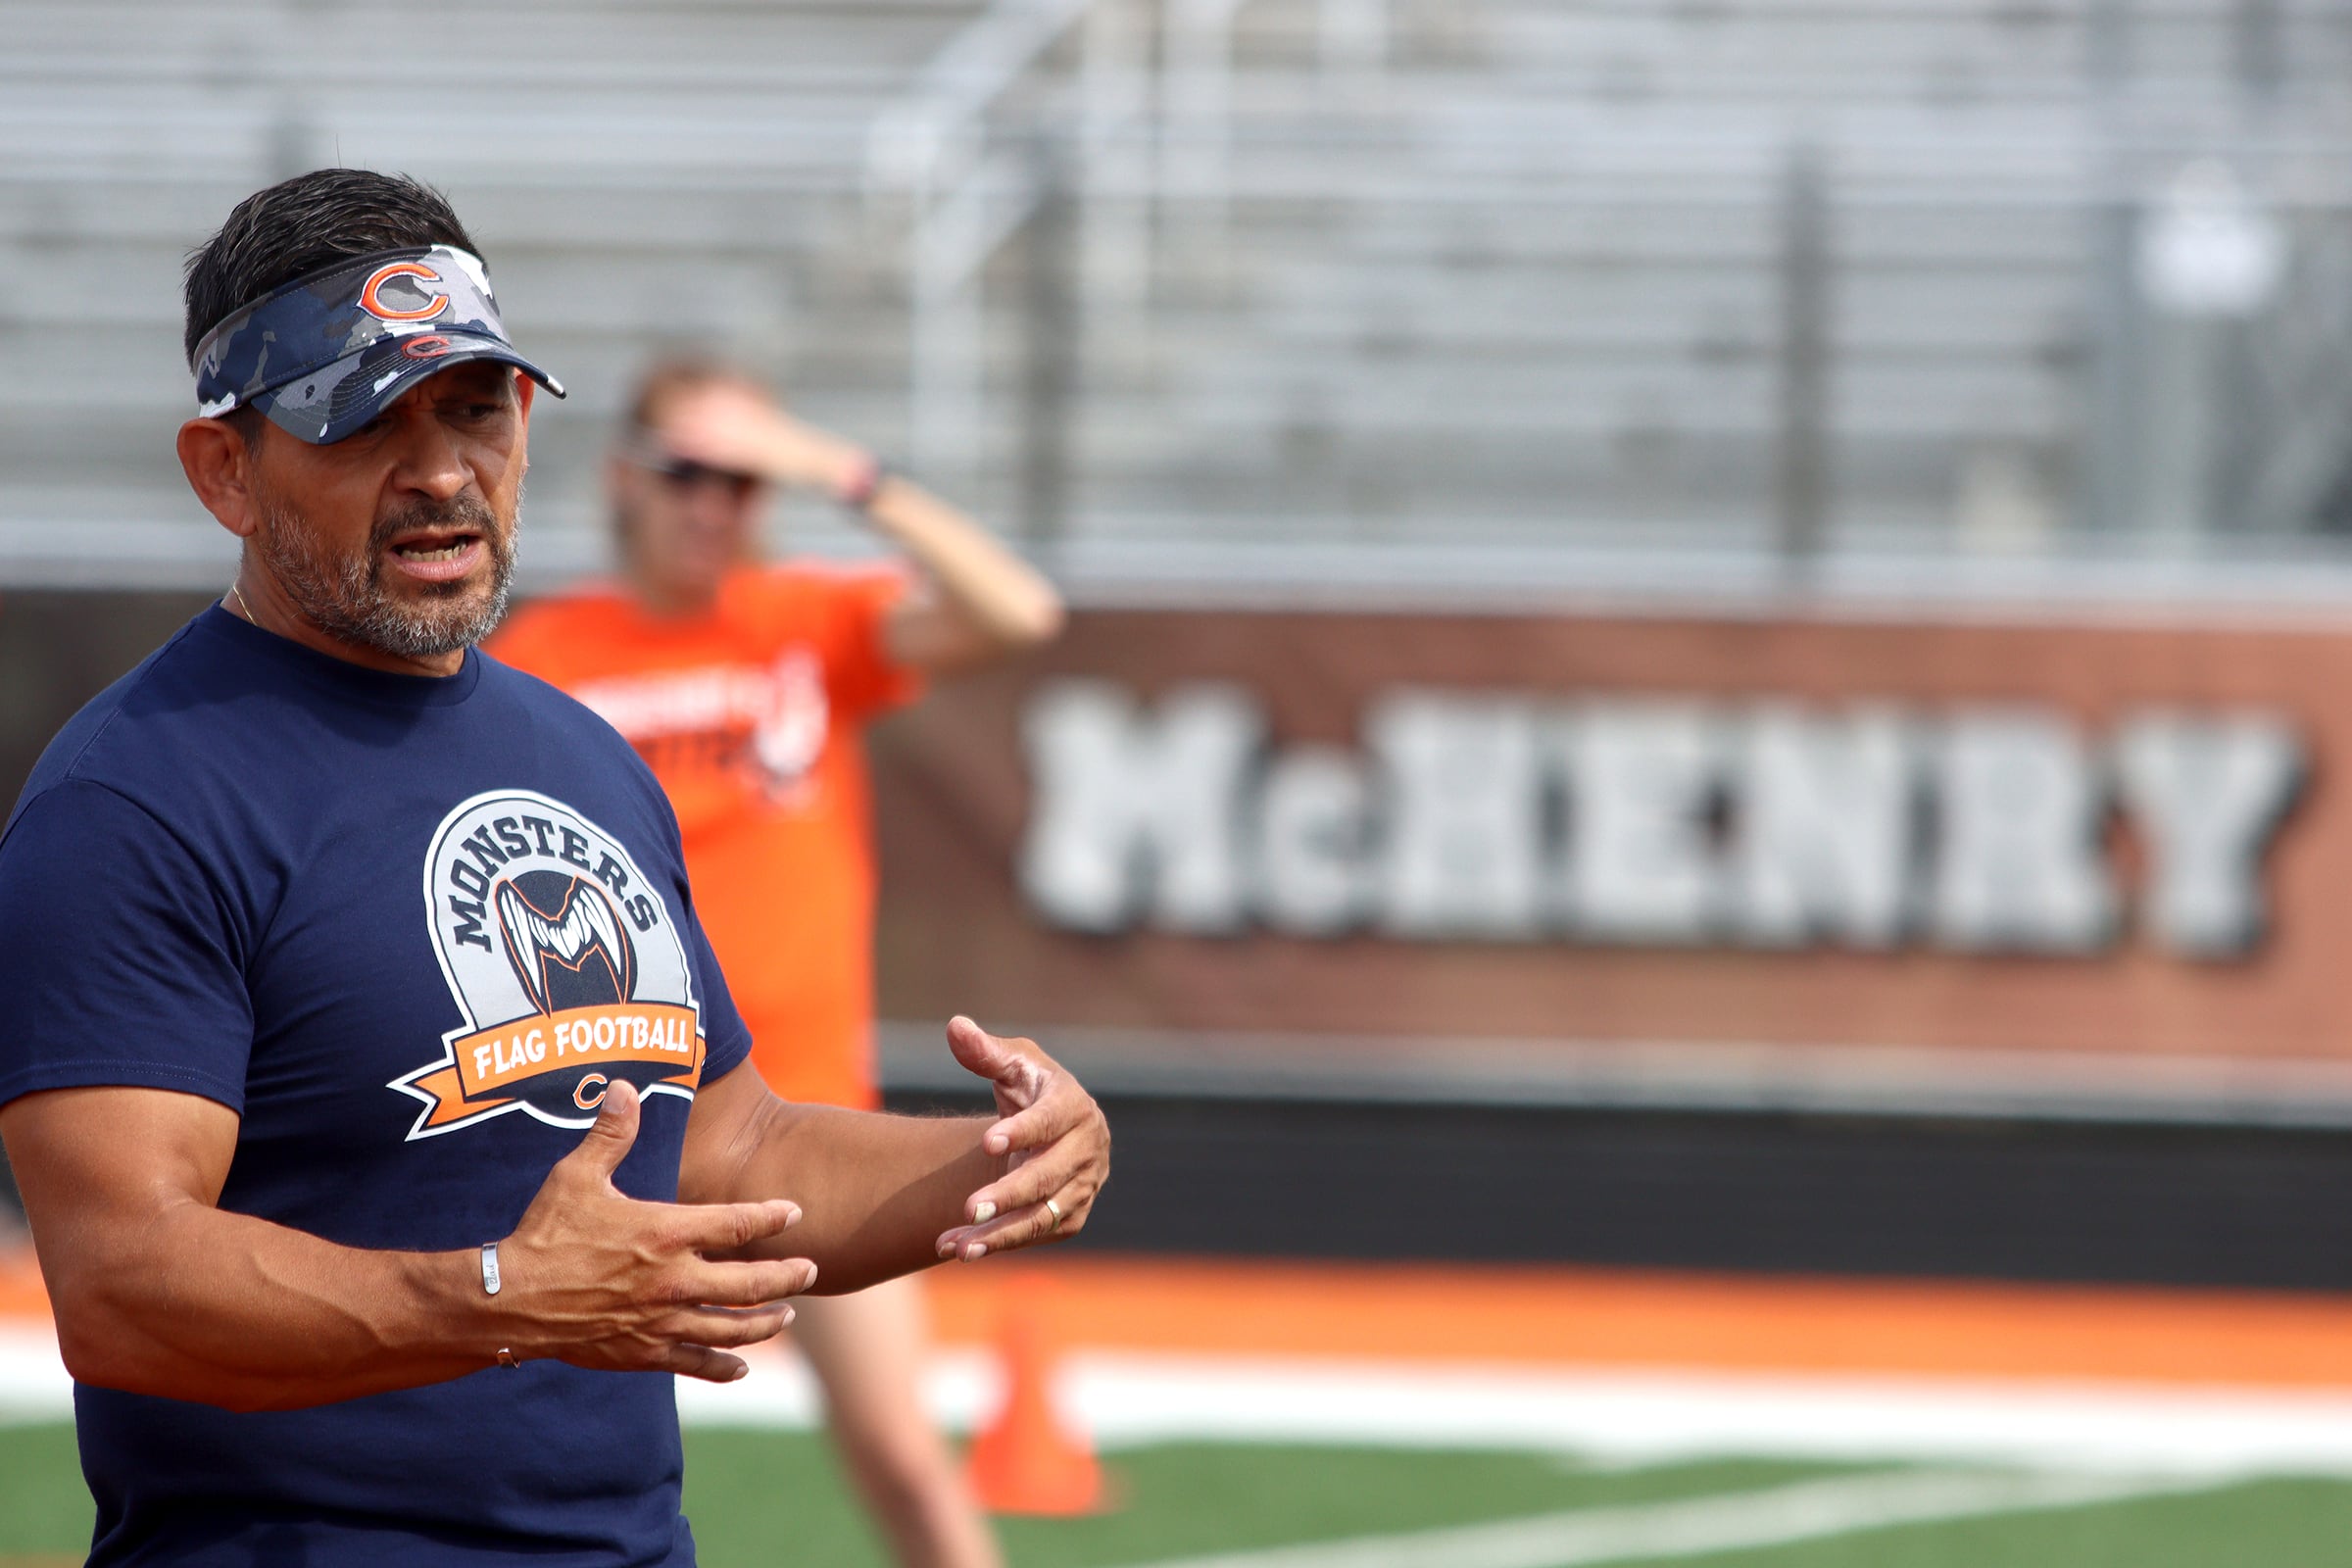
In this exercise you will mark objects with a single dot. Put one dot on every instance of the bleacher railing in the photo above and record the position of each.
(2219, 408)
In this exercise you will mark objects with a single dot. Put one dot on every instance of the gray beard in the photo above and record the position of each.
(347, 598)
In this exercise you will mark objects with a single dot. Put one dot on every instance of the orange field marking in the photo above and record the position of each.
(1560, 1317)
(1585, 1317)
(22, 1295)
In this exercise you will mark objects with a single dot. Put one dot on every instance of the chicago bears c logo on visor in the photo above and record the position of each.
(435, 299)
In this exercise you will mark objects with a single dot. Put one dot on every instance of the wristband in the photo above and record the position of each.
(490, 1284)
(858, 494)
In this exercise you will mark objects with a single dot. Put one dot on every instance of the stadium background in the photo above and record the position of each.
(1692, 816)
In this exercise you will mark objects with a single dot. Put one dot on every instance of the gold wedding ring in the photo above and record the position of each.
(1054, 1210)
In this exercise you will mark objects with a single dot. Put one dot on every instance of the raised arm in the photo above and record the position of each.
(975, 601)
(977, 598)
(887, 1194)
(158, 1290)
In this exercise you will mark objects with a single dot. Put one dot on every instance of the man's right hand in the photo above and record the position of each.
(601, 1280)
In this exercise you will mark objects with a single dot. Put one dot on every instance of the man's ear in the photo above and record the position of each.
(212, 454)
(526, 392)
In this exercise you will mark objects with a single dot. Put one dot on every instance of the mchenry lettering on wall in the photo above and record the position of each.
(1764, 824)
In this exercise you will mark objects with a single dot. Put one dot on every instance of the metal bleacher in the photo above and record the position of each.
(639, 175)
(1432, 273)
(1518, 277)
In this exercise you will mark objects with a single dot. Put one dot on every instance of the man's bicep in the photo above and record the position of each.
(123, 1065)
(95, 1165)
(120, 953)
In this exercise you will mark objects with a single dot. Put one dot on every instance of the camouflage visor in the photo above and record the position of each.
(327, 353)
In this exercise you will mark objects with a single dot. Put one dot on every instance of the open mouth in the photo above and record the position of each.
(438, 556)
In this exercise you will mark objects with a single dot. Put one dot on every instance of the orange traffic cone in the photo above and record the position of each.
(1025, 1461)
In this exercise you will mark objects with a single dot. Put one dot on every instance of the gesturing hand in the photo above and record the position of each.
(601, 1280)
(1056, 1144)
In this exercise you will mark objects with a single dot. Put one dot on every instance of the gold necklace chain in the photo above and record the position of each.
(243, 608)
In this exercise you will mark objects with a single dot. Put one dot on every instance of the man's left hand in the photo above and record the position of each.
(1053, 1137)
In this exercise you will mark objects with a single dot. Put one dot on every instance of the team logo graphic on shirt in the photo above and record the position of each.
(573, 953)
(564, 961)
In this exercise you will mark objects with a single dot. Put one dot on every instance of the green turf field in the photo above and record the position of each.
(763, 1500)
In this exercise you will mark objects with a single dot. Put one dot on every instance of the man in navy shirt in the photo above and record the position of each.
(381, 1114)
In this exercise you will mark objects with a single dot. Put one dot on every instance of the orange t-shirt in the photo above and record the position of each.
(749, 715)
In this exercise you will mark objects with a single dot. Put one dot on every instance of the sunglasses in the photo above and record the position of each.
(685, 474)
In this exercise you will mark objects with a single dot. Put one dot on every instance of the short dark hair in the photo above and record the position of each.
(301, 224)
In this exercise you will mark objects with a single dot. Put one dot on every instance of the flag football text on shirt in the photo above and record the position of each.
(564, 961)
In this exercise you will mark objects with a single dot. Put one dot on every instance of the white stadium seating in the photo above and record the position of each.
(1446, 273)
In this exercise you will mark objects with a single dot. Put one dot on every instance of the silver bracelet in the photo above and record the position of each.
(490, 1285)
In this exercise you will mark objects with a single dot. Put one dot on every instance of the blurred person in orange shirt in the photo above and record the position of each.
(744, 686)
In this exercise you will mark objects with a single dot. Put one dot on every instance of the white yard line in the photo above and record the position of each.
(33, 1385)
(1616, 1416)
(1662, 1415)
(1692, 1526)
(1629, 1417)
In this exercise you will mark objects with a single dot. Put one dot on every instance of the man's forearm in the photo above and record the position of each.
(159, 1290)
(876, 1191)
(881, 1196)
(227, 1309)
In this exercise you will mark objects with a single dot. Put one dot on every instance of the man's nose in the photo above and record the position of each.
(429, 462)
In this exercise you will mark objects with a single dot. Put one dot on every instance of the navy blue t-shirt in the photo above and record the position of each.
(408, 928)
